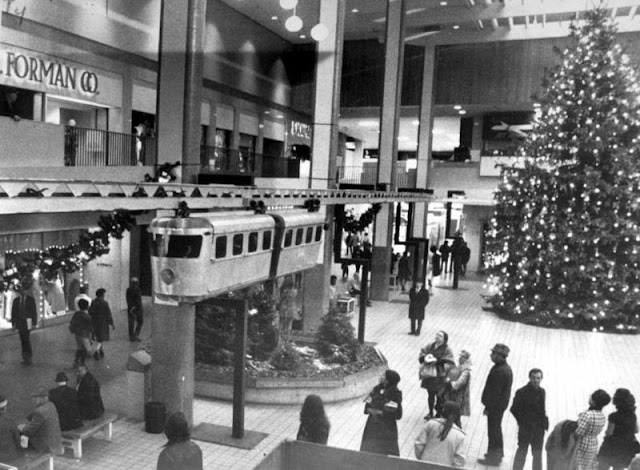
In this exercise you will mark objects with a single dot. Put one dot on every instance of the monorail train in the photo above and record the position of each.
(211, 253)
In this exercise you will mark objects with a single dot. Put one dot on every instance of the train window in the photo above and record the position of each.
(309, 237)
(237, 244)
(288, 236)
(253, 242)
(266, 240)
(177, 246)
(221, 247)
(319, 233)
(299, 234)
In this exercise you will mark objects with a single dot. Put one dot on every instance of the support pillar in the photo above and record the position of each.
(420, 212)
(387, 162)
(324, 150)
(180, 84)
(173, 357)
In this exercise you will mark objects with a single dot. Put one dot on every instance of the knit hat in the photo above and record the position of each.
(61, 377)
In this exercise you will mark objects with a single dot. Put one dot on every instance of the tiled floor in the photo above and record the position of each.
(574, 363)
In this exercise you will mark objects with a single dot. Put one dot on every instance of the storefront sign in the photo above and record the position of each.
(23, 69)
(301, 130)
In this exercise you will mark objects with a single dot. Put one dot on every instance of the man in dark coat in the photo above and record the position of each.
(495, 398)
(529, 410)
(23, 308)
(456, 259)
(444, 255)
(404, 270)
(89, 398)
(418, 300)
(65, 399)
(465, 257)
(134, 309)
(101, 319)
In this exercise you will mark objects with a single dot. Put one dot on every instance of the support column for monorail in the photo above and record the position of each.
(325, 149)
(388, 148)
(180, 69)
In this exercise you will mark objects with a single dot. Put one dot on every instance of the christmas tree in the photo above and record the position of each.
(563, 245)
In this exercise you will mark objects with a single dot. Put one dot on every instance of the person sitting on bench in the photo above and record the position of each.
(65, 400)
(10, 450)
(42, 426)
(355, 288)
(89, 398)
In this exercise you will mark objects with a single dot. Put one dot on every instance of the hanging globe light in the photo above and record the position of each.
(293, 24)
(288, 4)
(319, 32)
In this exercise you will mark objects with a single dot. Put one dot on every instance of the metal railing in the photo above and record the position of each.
(368, 175)
(94, 147)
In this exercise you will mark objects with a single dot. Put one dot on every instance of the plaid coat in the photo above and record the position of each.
(590, 424)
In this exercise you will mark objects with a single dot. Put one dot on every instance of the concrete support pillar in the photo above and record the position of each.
(180, 84)
(173, 357)
(324, 150)
(388, 148)
(419, 228)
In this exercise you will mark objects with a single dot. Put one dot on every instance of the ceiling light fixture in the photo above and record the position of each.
(444, 4)
(303, 36)
(457, 107)
(462, 111)
(288, 4)
(455, 26)
(415, 122)
(355, 10)
(319, 32)
(274, 17)
(293, 23)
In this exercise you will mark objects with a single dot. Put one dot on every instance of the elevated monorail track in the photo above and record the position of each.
(24, 196)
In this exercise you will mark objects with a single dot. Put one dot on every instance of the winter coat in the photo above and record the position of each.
(316, 432)
(180, 455)
(497, 389)
(101, 319)
(43, 429)
(459, 390)
(621, 445)
(89, 398)
(429, 448)
(445, 361)
(10, 448)
(21, 311)
(65, 399)
(528, 408)
(561, 445)
(81, 324)
(381, 431)
(417, 303)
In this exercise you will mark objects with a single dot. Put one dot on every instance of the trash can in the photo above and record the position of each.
(155, 415)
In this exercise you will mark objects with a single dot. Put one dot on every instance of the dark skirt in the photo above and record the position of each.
(380, 436)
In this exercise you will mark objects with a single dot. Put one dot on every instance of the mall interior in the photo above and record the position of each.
(409, 104)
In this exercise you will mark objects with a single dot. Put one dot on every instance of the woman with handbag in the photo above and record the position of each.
(436, 359)
(384, 407)
(620, 445)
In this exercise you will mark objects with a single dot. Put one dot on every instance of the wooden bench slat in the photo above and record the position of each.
(73, 439)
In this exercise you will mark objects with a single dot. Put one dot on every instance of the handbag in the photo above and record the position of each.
(428, 370)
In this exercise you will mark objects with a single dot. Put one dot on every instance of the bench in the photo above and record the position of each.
(73, 439)
(30, 461)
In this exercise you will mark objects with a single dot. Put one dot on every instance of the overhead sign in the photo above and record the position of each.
(23, 69)
(301, 130)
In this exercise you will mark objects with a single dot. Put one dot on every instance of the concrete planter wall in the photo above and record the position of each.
(290, 391)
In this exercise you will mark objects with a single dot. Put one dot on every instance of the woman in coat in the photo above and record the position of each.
(101, 319)
(179, 452)
(418, 300)
(439, 353)
(620, 445)
(441, 441)
(560, 445)
(590, 424)
(314, 425)
(458, 385)
(384, 407)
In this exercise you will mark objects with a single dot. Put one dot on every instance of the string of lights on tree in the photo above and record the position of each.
(563, 244)
(26, 266)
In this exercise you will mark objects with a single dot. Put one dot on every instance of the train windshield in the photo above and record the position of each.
(176, 246)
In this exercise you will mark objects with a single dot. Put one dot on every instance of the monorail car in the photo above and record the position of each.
(211, 253)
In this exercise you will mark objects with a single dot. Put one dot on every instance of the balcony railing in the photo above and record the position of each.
(93, 147)
(222, 160)
(368, 175)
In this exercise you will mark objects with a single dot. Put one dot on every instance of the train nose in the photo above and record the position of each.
(167, 276)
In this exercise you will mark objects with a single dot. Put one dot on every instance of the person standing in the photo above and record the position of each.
(10, 450)
(89, 398)
(134, 309)
(590, 424)
(465, 257)
(384, 407)
(436, 267)
(43, 426)
(529, 410)
(620, 445)
(441, 440)
(81, 327)
(495, 398)
(65, 399)
(314, 425)
(456, 259)
(23, 309)
(179, 452)
(458, 388)
(440, 355)
(418, 300)
(444, 255)
(404, 270)
(100, 319)
(83, 294)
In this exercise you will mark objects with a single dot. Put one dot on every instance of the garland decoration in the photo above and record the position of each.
(353, 225)
(25, 267)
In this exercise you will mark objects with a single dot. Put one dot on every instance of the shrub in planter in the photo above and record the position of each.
(286, 357)
(263, 332)
(336, 338)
